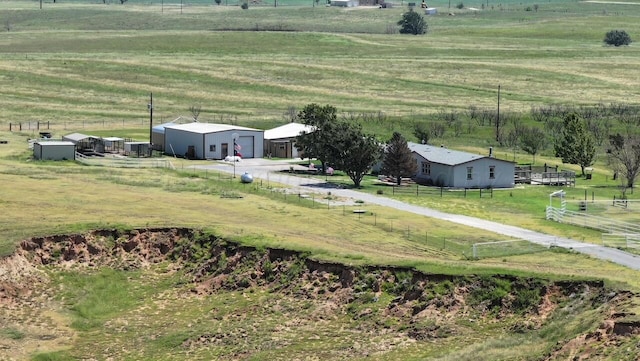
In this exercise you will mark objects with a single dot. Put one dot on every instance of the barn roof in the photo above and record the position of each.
(443, 155)
(205, 128)
(289, 130)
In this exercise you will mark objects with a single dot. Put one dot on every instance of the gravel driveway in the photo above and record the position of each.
(272, 171)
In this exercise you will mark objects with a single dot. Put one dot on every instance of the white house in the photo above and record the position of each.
(54, 150)
(280, 142)
(445, 167)
(212, 141)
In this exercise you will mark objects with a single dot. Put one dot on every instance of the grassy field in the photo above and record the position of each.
(90, 67)
(73, 64)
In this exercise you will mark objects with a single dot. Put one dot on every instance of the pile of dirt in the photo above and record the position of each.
(414, 305)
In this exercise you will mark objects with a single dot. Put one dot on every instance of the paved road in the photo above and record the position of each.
(268, 170)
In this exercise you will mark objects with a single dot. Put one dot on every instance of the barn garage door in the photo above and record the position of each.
(246, 146)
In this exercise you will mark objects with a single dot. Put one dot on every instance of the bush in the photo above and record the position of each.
(617, 38)
(412, 23)
(244, 6)
(460, 6)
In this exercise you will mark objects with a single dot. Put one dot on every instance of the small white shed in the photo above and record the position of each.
(345, 3)
(137, 149)
(280, 142)
(54, 150)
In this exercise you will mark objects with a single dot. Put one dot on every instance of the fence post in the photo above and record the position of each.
(417, 189)
(441, 191)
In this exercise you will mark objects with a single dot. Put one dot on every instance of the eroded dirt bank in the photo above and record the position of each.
(395, 307)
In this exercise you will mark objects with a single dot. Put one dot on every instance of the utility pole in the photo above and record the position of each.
(498, 117)
(150, 106)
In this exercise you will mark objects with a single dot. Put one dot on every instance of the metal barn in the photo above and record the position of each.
(54, 150)
(212, 141)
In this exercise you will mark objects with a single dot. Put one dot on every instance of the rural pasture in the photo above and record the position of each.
(90, 67)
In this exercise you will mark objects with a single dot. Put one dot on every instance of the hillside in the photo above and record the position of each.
(64, 294)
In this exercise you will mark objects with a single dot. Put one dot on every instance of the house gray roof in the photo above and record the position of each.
(443, 155)
(205, 128)
(289, 130)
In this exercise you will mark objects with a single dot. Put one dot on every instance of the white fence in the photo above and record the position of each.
(590, 221)
(619, 240)
(124, 162)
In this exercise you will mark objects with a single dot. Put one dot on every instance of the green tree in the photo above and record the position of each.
(353, 152)
(398, 160)
(532, 140)
(575, 144)
(412, 23)
(317, 144)
(617, 38)
(422, 132)
(624, 156)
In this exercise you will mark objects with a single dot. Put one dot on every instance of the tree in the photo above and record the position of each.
(624, 156)
(195, 111)
(617, 38)
(412, 23)
(532, 140)
(340, 143)
(398, 160)
(422, 132)
(317, 144)
(575, 145)
(354, 152)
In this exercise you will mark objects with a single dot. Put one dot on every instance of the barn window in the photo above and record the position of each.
(469, 173)
(212, 148)
(492, 172)
(282, 146)
(426, 168)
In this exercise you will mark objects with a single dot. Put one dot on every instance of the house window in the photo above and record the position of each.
(212, 147)
(426, 168)
(469, 173)
(492, 172)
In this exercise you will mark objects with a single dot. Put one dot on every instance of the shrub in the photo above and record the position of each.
(244, 6)
(617, 38)
(412, 23)
(460, 5)
(218, 1)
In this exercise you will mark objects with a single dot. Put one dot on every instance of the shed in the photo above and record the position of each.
(137, 149)
(212, 141)
(113, 144)
(84, 143)
(445, 167)
(54, 150)
(345, 3)
(280, 142)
